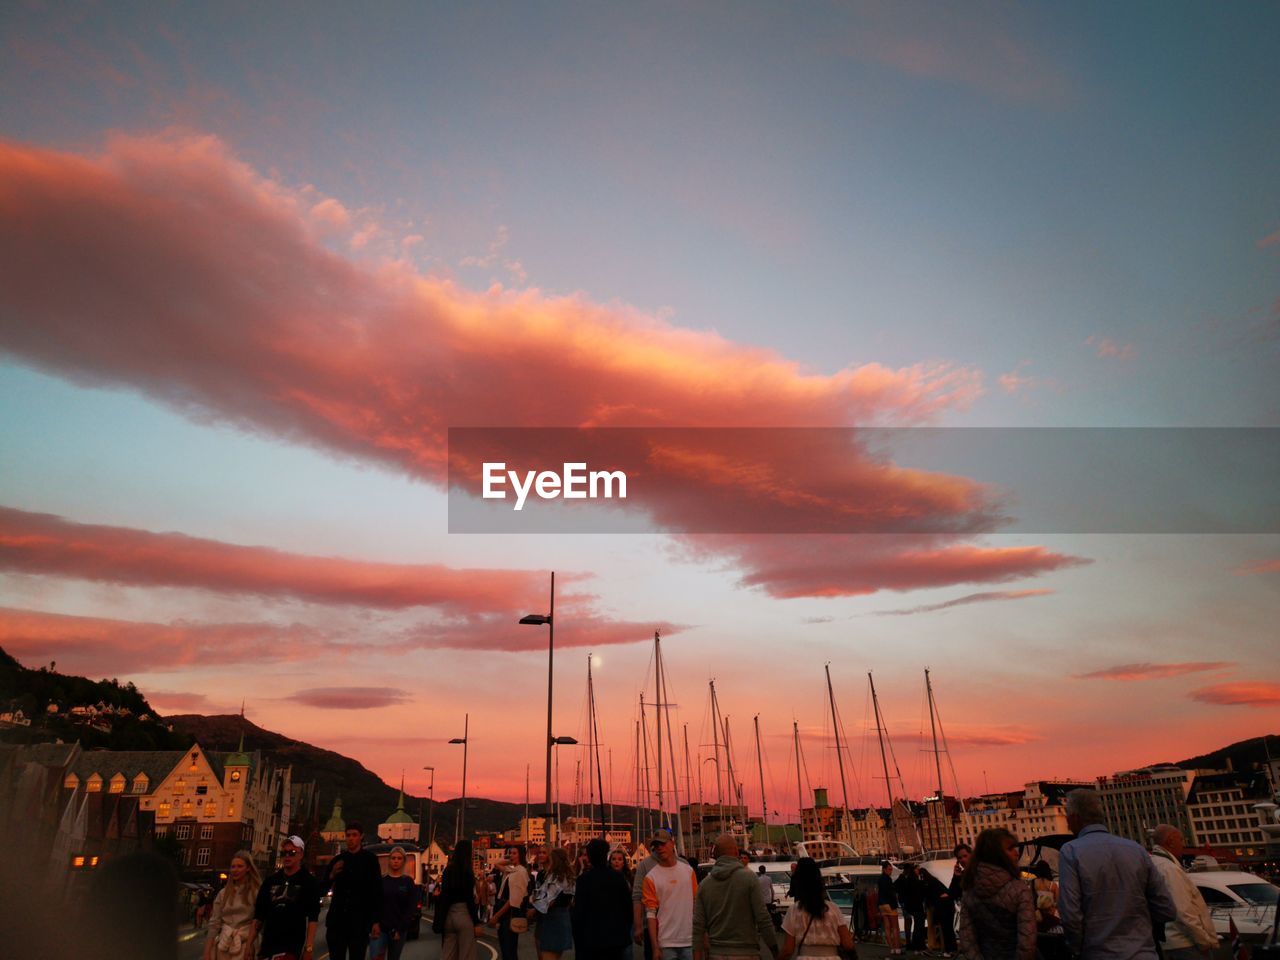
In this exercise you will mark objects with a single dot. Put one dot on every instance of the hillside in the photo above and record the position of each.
(364, 796)
(1243, 755)
(123, 728)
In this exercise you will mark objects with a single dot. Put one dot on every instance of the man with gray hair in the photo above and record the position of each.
(1110, 895)
(1190, 935)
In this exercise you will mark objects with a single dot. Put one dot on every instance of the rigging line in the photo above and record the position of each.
(844, 734)
(946, 748)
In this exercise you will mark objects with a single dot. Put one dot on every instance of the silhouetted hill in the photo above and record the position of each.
(365, 797)
(1243, 755)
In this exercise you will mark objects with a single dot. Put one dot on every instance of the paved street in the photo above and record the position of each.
(428, 947)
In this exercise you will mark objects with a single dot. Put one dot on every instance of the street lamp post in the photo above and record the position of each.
(431, 810)
(538, 620)
(462, 807)
(559, 742)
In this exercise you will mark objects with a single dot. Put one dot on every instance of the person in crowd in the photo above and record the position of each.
(511, 903)
(484, 890)
(962, 852)
(356, 881)
(887, 904)
(398, 900)
(457, 916)
(668, 894)
(997, 914)
(537, 858)
(204, 906)
(601, 912)
(288, 906)
(937, 896)
(552, 899)
(231, 921)
(729, 918)
(618, 860)
(640, 929)
(911, 894)
(766, 886)
(813, 926)
(1109, 892)
(1190, 934)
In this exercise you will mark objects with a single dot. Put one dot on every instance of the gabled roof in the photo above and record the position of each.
(155, 764)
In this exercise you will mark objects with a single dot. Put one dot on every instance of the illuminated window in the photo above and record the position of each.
(188, 809)
(71, 782)
(94, 784)
(235, 776)
(211, 809)
(179, 787)
(163, 810)
(93, 861)
(77, 863)
(117, 783)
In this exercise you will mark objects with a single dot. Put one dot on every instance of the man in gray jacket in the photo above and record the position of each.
(729, 915)
(1189, 935)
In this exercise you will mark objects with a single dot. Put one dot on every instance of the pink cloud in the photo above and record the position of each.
(986, 597)
(96, 646)
(111, 281)
(1264, 566)
(1153, 671)
(45, 544)
(1108, 348)
(820, 565)
(1248, 693)
(351, 698)
(1270, 240)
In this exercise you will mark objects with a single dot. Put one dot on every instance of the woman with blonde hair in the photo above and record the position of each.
(551, 902)
(231, 931)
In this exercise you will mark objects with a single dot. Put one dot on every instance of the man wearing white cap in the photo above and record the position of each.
(288, 906)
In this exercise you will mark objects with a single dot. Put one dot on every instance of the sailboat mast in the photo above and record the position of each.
(591, 783)
(764, 804)
(644, 743)
(637, 781)
(884, 760)
(735, 792)
(658, 705)
(795, 732)
(664, 705)
(844, 789)
(715, 742)
(933, 727)
(688, 785)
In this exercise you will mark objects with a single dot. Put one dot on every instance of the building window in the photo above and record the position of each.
(140, 784)
(206, 832)
(94, 784)
(183, 831)
(179, 787)
(163, 810)
(188, 809)
(162, 831)
(235, 776)
(117, 783)
(202, 857)
(202, 789)
(71, 782)
(210, 809)
(246, 833)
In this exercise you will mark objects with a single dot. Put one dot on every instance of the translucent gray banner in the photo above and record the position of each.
(864, 480)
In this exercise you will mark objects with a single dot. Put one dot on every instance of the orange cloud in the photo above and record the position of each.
(1248, 693)
(45, 544)
(1153, 671)
(167, 266)
(986, 597)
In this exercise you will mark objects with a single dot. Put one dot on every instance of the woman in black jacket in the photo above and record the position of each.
(601, 911)
(457, 916)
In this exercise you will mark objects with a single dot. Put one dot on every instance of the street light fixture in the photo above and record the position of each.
(462, 806)
(559, 742)
(548, 620)
(431, 810)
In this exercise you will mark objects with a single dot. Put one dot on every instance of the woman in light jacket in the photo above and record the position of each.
(551, 902)
(231, 923)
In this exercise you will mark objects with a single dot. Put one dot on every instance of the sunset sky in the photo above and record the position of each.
(255, 262)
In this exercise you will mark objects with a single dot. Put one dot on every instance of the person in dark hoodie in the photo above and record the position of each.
(998, 914)
(353, 914)
(601, 911)
(729, 915)
(911, 893)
